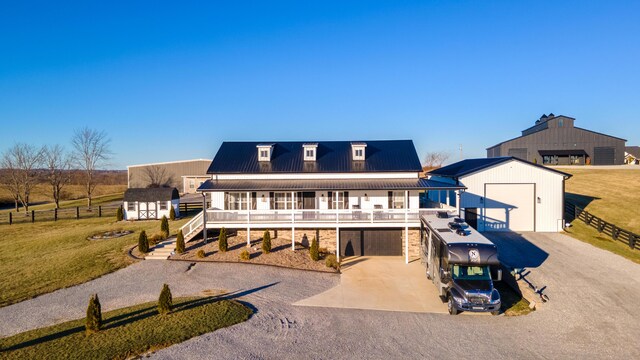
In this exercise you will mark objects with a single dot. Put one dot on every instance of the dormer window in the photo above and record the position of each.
(309, 151)
(264, 152)
(358, 150)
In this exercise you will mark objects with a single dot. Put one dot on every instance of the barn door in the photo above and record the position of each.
(152, 211)
(143, 213)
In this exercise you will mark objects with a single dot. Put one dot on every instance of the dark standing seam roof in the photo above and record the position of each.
(469, 166)
(633, 150)
(331, 157)
(151, 194)
(325, 184)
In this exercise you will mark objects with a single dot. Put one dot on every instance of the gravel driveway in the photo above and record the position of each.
(592, 312)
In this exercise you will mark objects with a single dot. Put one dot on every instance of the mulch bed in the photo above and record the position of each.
(109, 235)
(280, 255)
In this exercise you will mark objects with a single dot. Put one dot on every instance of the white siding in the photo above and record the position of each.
(548, 187)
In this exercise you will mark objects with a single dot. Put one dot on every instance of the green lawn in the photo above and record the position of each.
(611, 195)
(98, 200)
(45, 256)
(126, 332)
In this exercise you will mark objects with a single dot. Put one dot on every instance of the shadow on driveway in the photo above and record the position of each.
(515, 251)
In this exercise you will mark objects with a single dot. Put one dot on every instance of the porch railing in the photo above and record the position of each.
(318, 216)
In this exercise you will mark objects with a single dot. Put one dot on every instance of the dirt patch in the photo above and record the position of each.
(280, 255)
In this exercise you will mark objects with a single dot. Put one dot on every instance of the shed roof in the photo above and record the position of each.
(325, 184)
(151, 194)
(331, 157)
(470, 166)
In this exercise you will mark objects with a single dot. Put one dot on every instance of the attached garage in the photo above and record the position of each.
(370, 242)
(508, 194)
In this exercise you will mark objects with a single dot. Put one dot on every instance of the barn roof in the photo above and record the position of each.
(331, 157)
(151, 194)
(470, 166)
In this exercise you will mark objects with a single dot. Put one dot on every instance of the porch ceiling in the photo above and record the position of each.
(329, 184)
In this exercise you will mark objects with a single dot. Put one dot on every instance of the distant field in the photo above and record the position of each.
(41, 196)
(612, 195)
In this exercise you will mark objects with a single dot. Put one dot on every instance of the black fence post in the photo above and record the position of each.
(55, 214)
(77, 212)
(33, 216)
(99, 210)
(10, 218)
(632, 241)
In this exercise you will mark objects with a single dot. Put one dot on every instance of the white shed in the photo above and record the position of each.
(150, 203)
(508, 194)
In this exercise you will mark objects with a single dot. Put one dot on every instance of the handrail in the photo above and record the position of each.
(192, 225)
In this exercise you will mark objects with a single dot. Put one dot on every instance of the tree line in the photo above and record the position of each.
(25, 165)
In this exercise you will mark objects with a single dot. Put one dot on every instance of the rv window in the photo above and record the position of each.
(461, 272)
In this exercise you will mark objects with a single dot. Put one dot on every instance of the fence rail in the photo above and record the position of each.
(573, 211)
(77, 213)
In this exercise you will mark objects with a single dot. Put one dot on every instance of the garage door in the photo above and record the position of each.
(509, 207)
(371, 242)
(604, 156)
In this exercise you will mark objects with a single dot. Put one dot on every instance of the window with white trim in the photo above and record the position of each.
(282, 201)
(236, 201)
(340, 200)
(131, 206)
(397, 201)
(192, 184)
(163, 205)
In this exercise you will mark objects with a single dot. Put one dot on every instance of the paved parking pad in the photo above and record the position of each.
(381, 283)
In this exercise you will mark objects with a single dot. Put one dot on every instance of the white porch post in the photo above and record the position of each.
(293, 220)
(249, 219)
(248, 237)
(338, 243)
(448, 202)
(406, 244)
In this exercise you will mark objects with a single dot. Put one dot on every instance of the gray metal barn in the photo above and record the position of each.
(554, 140)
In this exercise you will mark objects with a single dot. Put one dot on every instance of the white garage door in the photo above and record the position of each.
(509, 207)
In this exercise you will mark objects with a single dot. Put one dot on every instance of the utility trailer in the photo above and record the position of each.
(460, 262)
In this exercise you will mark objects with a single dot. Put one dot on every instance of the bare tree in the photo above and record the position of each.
(435, 159)
(21, 163)
(157, 176)
(91, 151)
(58, 165)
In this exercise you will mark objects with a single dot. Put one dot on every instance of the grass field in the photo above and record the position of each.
(127, 332)
(46, 256)
(74, 195)
(612, 195)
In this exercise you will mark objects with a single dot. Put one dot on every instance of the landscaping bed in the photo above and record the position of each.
(104, 235)
(280, 255)
(127, 332)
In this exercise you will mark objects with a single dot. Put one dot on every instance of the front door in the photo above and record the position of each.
(309, 203)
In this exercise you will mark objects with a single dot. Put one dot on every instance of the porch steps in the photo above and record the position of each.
(162, 250)
(193, 234)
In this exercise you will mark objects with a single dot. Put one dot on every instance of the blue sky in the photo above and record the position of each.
(172, 80)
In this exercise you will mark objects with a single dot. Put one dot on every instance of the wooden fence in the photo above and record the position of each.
(573, 211)
(77, 213)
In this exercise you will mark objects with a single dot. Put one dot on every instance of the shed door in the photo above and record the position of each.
(509, 207)
(142, 211)
(604, 156)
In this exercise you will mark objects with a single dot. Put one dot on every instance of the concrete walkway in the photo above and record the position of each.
(381, 283)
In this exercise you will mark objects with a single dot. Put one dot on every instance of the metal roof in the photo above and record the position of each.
(151, 194)
(469, 166)
(325, 184)
(331, 157)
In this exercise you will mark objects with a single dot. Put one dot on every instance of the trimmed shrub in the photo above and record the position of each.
(119, 214)
(244, 255)
(201, 254)
(314, 252)
(143, 242)
(222, 240)
(180, 242)
(266, 242)
(172, 213)
(332, 262)
(93, 322)
(164, 226)
(165, 302)
(156, 238)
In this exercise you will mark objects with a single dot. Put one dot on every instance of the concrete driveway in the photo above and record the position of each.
(381, 283)
(592, 312)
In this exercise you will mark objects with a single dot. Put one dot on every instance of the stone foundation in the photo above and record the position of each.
(414, 243)
(326, 237)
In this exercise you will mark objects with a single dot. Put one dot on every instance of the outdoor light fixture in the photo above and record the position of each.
(366, 197)
(539, 200)
(481, 200)
(322, 197)
(263, 198)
